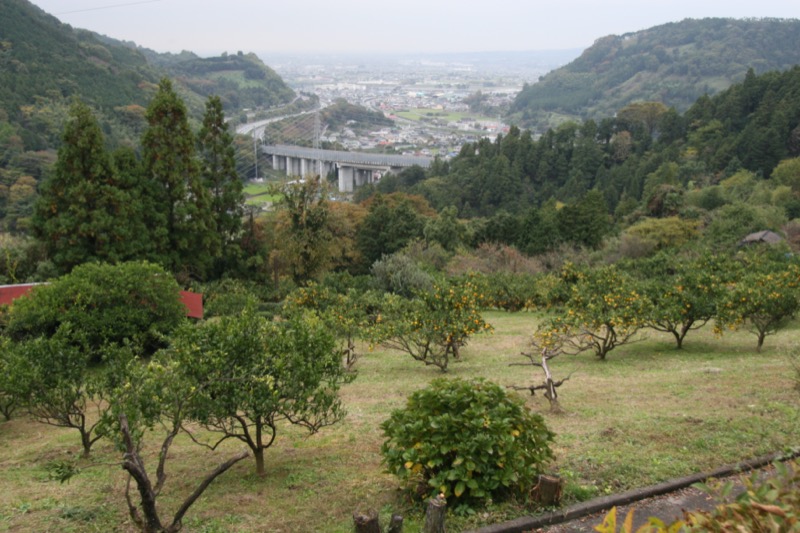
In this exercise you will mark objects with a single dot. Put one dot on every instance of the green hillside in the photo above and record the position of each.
(44, 64)
(673, 64)
(241, 80)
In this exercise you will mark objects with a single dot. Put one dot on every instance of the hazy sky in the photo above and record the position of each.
(213, 26)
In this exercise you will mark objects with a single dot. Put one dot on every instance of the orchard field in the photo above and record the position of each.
(646, 414)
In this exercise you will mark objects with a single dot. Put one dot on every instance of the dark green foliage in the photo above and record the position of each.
(9, 397)
(97, 305)
(445, 230)
(500, 228)
(219, 176)
(586, 222)
(387, 228)
(180, 222)
(648, 160)
(43, 57)
(87, 210)
(466, 439)
(305, 234)
(511, 291)
(229, 297)
(539, 231)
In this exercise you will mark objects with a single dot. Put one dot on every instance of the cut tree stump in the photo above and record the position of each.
(366, 522)
(396, 525)
(547, 491)
(435, 515)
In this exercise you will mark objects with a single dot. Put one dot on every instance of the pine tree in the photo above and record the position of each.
(218, 173)
(181, 223)
(85, 213)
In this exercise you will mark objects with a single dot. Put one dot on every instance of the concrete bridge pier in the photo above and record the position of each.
(346, 178)
(363, 176)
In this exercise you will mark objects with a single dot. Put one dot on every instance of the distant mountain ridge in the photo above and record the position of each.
(674, 63)
(45, 63)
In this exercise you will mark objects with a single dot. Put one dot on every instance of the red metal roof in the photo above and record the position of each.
(194, 304)
(192, 300)
(9, 293)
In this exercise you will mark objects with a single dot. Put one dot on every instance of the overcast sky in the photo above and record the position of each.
(210, 27)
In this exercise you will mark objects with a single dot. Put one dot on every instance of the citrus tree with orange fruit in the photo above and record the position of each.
(433, 326)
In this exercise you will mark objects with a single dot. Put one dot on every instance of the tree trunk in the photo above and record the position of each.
(350, 353)
(552, 397)
(548, 491)
(259, 455)
(550, 392)
(396, 525)
(132, 464)
(86, 441)
(678, 340)
(435, 515)
(761, 336)
(366, 522)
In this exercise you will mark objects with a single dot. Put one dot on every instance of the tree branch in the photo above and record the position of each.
(221, 469)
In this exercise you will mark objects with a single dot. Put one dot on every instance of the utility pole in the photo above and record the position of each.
(316, 142)
(255, 151)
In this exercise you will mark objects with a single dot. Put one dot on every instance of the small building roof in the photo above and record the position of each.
(191, 300)
(769, 237)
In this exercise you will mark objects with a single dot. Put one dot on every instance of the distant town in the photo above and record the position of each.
(427, 96)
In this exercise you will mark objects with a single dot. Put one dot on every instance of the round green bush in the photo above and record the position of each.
(467, 439)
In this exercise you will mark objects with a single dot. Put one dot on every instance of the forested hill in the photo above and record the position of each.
(735, 154)
(45, 63)
(673, 64)
(241, 80)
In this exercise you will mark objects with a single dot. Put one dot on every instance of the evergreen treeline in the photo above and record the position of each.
(180, 204)
(45, 65)
(648, 161)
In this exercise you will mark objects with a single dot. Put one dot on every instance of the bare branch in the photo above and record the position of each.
(221, 469)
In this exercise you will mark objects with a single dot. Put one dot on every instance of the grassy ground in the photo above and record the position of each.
(260, 194)
(647, 414)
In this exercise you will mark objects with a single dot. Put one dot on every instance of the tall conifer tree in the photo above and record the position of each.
(85, 212)
(180, 220)
(219, 176)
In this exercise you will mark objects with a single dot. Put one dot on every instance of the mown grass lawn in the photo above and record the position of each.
(646, 414)
(260, 194)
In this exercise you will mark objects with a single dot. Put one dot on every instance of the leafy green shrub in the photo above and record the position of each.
(228, 297)
(466, 439)
(397, 273)
(770, 505)
(99, 304)
(510, 292)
